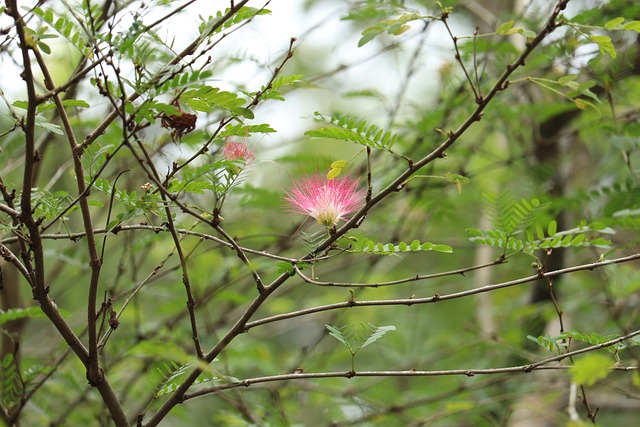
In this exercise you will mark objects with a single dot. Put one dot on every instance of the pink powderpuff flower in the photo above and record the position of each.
(237, 151)
(328, 201)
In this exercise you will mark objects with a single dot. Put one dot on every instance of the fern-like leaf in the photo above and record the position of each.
(65, 28)
(353, 130)
(357, 336)
(244, 14)
(510, 216)
(579, 237)
(368, 246)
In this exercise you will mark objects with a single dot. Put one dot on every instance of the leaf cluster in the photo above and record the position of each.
(355, 337)
(208, 98)
(353, 130)
(65, 28)
(517, 227)
(368, 246)
(245, 13)
(560, 343)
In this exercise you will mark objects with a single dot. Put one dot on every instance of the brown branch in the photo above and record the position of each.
(436, 298)
(417, 277)
(94, 372)
(159, 229)
(536, 366)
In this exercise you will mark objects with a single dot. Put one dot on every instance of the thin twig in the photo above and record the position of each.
(437, 298)
(536, 366)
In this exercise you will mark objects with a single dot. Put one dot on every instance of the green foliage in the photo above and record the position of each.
(180, 81)
(160, 303)
(148, 204)
(169, 376)
(212, 176)
(208, 98)
(95, 157)
(41, 121)
(392, 26)
(283, 267)
(355, 337)
(49, 205)
(11, 386)
(590, 368)
(336, 169)
(507, 29)
(560, 343)
(517, 227)
(240, 129)
(605, 45)
(274, 90)
(67, 103)
(353, 130)
(581, 236)
(245, 13)
(65, 28)
(310, 241)
(20, 313)
(509, 215)
(368, 246)
(150, 109)
(574, 90)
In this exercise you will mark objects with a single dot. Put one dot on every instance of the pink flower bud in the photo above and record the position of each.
(237, 151)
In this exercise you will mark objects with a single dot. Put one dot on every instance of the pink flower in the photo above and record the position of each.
(237, 151)
(328, 201)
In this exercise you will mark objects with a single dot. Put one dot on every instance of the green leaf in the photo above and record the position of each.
(21, 104)
(368, 246)
(245, 13)
(243, 130)
(353, 130)
(632, 26)
(50, 127)
(20, 313)
(504, 28)
(377, 333)
(339, 164)
(285, 267)
(44, 48)
(337, 334)
(357, 336)
(564, 81)
(392, 26)
(586, 105)
(207, 98)
(333, 173)
(605, 45)
(614, 23)
(67, 103)
(591, 368)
